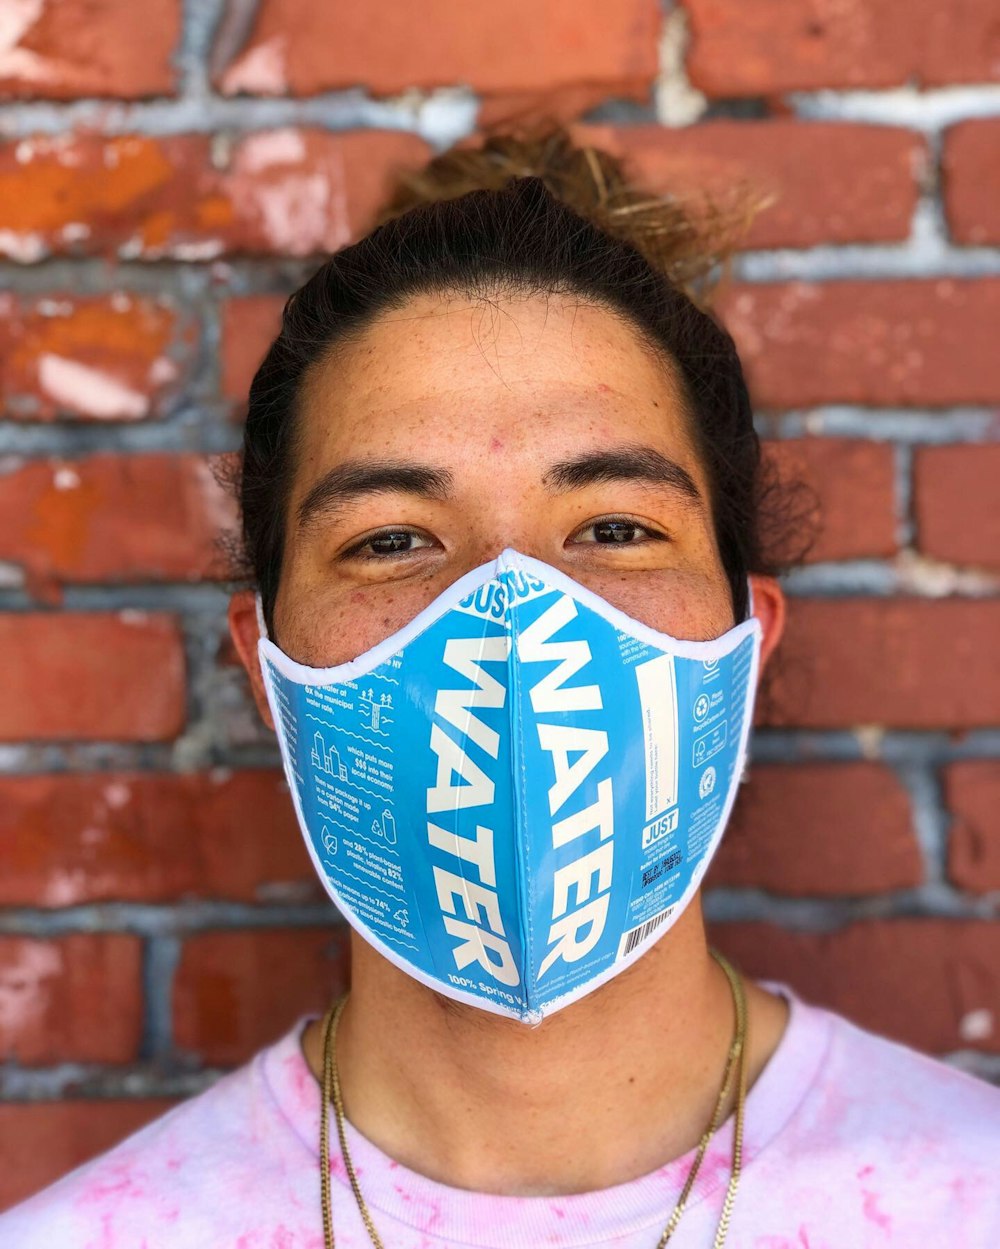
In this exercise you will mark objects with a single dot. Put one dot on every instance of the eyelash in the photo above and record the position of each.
(357, 550)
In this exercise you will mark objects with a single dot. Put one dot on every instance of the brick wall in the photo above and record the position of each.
(168, 172)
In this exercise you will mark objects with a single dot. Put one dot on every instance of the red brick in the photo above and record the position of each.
(970, 165)
(92, 676)
(90, 47)
(820, 829)
(956, 493)
(282, 192)
(927, 342)
(972, 792)
(55, 1137)
(298, 49)
(238, 991)
(828, 182)
(249, 326)
(75, 998)
(145, 517)
(108, 359)
(771, 46)
(900, 662)
(930, 983)
(852, 484)
(70, 839)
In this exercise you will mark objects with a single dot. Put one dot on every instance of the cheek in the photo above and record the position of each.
(690, 604)
(325, 627)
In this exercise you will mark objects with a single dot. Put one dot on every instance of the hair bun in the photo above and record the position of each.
(690, 239)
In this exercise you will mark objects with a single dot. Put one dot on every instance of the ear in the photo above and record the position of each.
(769, 608)
(244, 630)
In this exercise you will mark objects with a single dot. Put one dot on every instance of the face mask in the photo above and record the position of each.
(519, 792)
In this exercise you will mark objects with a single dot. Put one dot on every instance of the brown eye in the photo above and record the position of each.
(387, 543)
(616, 531)
(391, 543)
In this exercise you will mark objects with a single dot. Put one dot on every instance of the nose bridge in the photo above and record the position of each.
(520, 531)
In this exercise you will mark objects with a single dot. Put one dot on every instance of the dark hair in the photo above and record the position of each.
(575, 227)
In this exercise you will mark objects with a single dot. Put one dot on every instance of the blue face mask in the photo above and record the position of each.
(519, 792)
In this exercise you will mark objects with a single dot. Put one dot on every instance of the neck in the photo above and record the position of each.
(606, 1090)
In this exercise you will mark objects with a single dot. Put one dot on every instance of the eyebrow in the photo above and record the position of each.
(346, 482)
(632, 462)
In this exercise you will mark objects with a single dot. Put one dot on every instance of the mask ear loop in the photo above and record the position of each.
(745, 774)
(261, 624)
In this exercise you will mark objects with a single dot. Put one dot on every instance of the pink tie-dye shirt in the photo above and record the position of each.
(851, 1141)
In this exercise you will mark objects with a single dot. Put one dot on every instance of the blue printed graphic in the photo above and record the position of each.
(517, 794)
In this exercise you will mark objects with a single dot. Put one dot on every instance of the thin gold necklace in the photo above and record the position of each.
(737, 1059)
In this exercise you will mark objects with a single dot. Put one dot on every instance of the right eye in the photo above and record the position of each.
(386, 543)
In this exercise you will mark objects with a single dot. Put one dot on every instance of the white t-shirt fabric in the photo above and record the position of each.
(851, 1142)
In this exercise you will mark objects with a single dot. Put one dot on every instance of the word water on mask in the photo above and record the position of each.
(517, 794)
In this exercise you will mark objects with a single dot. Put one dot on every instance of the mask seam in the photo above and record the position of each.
(521, 859)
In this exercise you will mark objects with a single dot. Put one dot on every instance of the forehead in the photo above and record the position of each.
(447, 368)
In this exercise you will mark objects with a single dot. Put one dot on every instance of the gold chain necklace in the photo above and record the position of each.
(736, 1060)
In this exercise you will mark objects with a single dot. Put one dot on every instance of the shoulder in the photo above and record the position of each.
(168, 1184)
(876, 1107)
(909, 1091)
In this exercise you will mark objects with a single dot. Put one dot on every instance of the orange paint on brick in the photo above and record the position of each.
(153, 198)
(115, 354)
(139, 517)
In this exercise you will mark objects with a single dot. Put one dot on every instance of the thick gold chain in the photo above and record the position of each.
(736, 1060)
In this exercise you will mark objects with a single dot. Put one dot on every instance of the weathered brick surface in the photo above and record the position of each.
(114, 358)
(141, 517)
(971, 172)
(826, 182)
(54, 1137)
(237, 991)
(285, 192)
(926, 342)
(822, 830)
(153, 221)
(301, 49)
(249, 325)
(773, 46)
(75, 998)
(91, 676)
(972, 793)
(902, 663)
(930, 983)
(143, 836)
(852, 483)
(58, 49)
(956, 495)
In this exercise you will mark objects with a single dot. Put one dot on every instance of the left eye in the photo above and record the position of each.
(616, 531)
